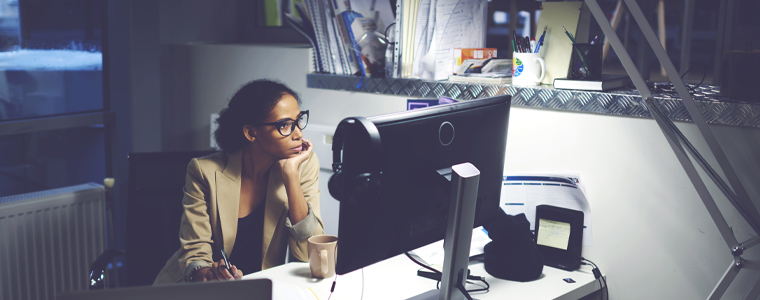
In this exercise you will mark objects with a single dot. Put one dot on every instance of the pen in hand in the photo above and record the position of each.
(227, 262)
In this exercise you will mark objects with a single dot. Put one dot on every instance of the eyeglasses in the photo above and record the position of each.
(287, 126)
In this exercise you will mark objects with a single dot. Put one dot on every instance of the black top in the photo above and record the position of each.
(246, 255)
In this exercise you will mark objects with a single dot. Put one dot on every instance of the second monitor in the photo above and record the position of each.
(393, 196)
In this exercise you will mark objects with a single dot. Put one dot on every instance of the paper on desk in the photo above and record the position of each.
(284, 290)
(433, 253)
(458, 24)
(521, 193)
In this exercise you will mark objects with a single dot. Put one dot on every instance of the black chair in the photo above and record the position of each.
(154, 211)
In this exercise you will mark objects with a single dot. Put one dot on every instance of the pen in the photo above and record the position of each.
(540, 41)
(583, 59)
(514, 48)
(533, 45)
(517, 42)
(226, 262)
(593, 41)
(519, 46)
(527, 45)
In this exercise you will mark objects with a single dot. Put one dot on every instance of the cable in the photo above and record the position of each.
(482, 289)
(704, 75)
(421, 264)
(598, 276)
(386, 29)
(437, 285)
(600, 280)
(336, 279)
(362, 284)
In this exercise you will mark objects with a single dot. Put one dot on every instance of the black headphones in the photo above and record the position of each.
(364, 187)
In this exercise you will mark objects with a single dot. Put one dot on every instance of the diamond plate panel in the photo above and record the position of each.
(424, 89)
(490, 91)
(594, 104)
(382, 86)
(553, 100)
(409, 88)
(578, 101)
(474, 91)
(453, 91)
(369, 85)
(716, 108)
(396, 87)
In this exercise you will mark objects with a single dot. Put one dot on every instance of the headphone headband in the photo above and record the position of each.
(375, 143)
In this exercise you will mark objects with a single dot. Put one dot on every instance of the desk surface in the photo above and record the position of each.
(396, 278)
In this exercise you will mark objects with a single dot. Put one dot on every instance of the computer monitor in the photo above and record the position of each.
(412, 208)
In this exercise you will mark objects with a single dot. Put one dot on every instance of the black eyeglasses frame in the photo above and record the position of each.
(293, 127)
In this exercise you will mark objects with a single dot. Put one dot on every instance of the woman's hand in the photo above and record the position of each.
(289, 165)
(218, 271)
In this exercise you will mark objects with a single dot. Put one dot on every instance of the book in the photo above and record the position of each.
(608, 82)
(481, 79)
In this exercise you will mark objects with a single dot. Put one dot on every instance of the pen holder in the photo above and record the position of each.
(586, 62)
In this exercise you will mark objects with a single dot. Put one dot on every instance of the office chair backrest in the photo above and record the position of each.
(154, 211)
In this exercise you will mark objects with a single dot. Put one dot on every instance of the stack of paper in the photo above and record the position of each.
(433, 254)
(459, 24)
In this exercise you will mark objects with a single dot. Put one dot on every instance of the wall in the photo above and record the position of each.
(653, 237)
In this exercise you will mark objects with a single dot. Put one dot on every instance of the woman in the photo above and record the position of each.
(255, 197)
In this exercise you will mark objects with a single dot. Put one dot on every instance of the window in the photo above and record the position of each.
(53, 121)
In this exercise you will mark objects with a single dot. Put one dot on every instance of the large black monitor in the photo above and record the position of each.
(412, 208)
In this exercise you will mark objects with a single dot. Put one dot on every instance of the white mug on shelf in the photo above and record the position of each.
(526, 68)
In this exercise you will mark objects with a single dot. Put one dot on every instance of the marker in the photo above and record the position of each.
(227, 262)
(517, 42)
(533, 45)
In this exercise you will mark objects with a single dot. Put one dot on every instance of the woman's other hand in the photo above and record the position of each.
(217, 271)
(291, 164)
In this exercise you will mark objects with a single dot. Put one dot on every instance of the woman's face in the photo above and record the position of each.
(270, 138)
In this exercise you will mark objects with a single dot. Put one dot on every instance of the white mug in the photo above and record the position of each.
(526, 67)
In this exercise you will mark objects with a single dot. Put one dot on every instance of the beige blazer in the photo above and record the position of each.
(209, 222)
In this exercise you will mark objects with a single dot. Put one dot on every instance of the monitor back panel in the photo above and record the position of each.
(413, 206)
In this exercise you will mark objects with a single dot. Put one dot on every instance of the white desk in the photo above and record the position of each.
(396, 278)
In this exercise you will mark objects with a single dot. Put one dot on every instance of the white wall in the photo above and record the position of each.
(653, 237)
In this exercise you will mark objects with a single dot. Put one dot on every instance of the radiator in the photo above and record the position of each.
(48, 240)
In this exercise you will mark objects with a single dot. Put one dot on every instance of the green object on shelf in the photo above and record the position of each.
(514, 49)
(272, 13)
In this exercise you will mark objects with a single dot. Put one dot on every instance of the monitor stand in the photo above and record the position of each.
(464, 195)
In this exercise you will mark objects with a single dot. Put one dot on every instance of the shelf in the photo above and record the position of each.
(623, 102)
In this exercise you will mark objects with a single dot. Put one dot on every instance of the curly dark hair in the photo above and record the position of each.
(250, 105)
